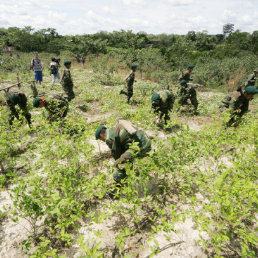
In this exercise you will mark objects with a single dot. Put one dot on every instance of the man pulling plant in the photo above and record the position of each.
(162, 102)
(238, 102)
(129, 82)
(57, 106)
(187, 91)
(120, 140)
(16, 98)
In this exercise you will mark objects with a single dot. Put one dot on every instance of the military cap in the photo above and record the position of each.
(190, 66)
(98, 131)
(155, 97)
(256, 70)
(134, 66)
(183, 82)
(14, 98)
(67, 62)
(251, 90)
(36, 102)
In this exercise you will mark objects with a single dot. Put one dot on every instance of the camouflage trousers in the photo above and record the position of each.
(235, 115)
(129, 155)
(162, 113)
(129, 93)
(69, 92)
(24, 110)
(190, 93)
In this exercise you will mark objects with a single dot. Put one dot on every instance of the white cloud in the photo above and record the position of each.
(248, 4)
(133, 2)
(181, 2)
(107, 9)
(152, 16)
(229, 16)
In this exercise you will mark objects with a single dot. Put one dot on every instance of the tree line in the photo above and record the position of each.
(227, 44)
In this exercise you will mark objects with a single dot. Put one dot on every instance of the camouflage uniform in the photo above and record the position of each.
(165, 104)
(238, 104)
(57, 108)
(118, 140)
(129, 82)
(186, 76)
(251, 80)
(67, 83)
(13, 98)
(185, 93)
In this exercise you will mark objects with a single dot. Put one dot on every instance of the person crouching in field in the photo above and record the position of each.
(129, 83)
(162, 102)
(187, 91)
(37, 68)
(17, 98)
(57, 107)
(119, 140)
(238, 102)
(66, 80)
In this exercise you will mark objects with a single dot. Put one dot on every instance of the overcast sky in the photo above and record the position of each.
(71, 17)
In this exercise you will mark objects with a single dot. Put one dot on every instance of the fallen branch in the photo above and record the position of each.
(166, 247)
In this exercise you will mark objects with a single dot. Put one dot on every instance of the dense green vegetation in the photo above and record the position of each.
(222, 60)
(58, 177)
(207, 175)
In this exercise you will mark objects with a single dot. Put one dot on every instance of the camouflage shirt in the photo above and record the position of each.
(237, 102)
(14, 96)
(66, 79)
(167, 101)
(118, 140)
(186, 76)
(130, 79)
(57, 107)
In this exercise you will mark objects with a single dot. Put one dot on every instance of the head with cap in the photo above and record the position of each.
(39, 102)
(183, 83)
(190, 68)
(67, 63)
(256, 70)
(155, 100)
(134, 67)
(249, 92)
(100, 133)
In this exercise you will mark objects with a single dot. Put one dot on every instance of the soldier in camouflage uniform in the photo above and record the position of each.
(162, 103)
(238, 101)
(129, 82)
(187, 75)
(186, 91)
(16, 97)
(57, 106)
(66, 81)
(252, 78)
(119, 140)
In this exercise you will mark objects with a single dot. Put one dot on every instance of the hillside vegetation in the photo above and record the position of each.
(195, 195)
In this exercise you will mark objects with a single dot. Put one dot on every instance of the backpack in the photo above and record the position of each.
(53, 69)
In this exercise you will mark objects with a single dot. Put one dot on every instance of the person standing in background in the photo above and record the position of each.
(37, 68)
